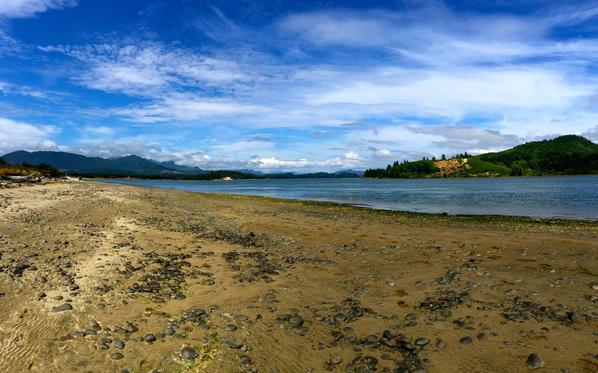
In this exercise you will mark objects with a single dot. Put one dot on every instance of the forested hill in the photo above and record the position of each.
(564, 155)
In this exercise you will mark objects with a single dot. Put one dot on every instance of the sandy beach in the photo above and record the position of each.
(111, 278)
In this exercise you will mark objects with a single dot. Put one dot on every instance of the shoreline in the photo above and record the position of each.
(108, 277)
(370, 207)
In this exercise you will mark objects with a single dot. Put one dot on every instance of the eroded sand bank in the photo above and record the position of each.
(175, 281)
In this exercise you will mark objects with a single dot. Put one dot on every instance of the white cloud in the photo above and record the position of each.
(352, 156)
(435, 35)
(186, 107)
(97, 131)
(350, 160)
(7, 44)
(458, 92)
(148, 68)
(27, 8)
(16, 135)
(381, 153)
(273, 162)
(12, 89)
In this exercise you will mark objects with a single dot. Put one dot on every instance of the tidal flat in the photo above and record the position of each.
(113, 278)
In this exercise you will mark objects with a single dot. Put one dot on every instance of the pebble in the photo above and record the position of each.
(168, 331)
(466, 340)
(119, 344)
(440, 344)
(295, 321)
(189, 353)
(422, 341)
(245, 359)
(149, 338)
(233, 344)
(231, 327)
(371, 339)
(410, 317)
(64, 307)
(534, 361)
(117, 356)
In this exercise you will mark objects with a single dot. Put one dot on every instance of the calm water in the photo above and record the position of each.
(574, 197)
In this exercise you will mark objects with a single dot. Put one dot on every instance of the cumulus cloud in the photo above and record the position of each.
(28, 8)
(16, 135)
(350, 159)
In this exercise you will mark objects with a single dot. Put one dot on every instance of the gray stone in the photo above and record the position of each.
(534, 361)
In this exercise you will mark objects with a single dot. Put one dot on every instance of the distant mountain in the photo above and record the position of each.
(173, 166)
(80, 164)
(350, 173)
(564, 155)
(135, 166)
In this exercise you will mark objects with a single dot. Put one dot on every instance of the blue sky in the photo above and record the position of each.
(294, 85)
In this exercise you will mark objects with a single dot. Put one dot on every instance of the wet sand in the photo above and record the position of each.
(111, 278)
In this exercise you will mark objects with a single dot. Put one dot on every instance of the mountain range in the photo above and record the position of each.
(569, 154)
(135, 166)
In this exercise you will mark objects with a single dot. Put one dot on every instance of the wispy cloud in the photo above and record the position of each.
(28, 8)
(147, 68)
(185, 107)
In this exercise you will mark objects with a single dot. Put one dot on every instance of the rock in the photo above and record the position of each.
(362, 364)
(117, 356)
(440, 344)
(422, 341)
(466, 340)
(119, 344)
(371, 339)
(149, 338)
(301, 330)
(189, 353)
(64, 307)
(233, 344)
(231, 327)
(295, 321)
(534, 361)
(410, 317)
(168, 331)
(131, 328)
(245, 359)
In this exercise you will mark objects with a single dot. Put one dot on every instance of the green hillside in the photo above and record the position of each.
(564, 155)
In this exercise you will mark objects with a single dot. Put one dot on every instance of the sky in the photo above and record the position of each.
(294, 85)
